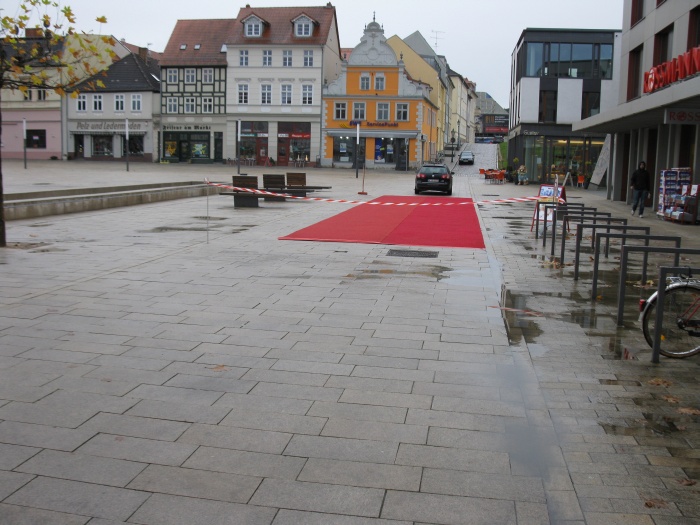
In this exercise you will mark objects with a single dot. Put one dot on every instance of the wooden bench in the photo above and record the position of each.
(298, 180)
(276, 184)
(244, 199)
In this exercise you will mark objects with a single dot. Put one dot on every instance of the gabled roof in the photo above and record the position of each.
(278, 27)
(131, 73)
(198, 43)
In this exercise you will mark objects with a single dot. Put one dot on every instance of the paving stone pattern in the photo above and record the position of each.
(175, 363)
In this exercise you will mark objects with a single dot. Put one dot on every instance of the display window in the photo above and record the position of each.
(102, 146)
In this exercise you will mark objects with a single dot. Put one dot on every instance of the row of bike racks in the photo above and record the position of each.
(587, 218)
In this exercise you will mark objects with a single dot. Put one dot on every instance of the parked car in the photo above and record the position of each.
(434, 177)
(466, 157)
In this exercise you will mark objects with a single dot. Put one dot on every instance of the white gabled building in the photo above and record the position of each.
(279, 59)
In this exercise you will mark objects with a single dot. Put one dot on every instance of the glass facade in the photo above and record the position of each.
(547, 157)
(567, 60)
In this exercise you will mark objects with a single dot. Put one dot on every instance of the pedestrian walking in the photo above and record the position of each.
(640, 183)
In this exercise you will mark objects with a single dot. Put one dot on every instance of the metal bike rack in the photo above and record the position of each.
(592, 226)
(561, 209)
(661, 293)
(626, 250)
(608, 225)
(550, 204)
(624, 237)
(592, 212)
(580, 216)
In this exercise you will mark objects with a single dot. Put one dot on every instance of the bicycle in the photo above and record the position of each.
(681, 317)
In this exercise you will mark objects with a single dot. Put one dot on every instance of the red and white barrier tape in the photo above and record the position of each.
(344, 201)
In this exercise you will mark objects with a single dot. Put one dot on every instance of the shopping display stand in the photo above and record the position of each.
(547, 193)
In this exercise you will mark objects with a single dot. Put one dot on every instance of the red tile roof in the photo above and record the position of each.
(209, 34)
(278, 27)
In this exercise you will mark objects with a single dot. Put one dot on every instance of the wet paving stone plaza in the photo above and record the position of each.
(176, 363)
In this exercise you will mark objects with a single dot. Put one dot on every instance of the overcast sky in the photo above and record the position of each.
(476, 36)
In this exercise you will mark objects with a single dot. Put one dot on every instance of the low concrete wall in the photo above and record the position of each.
(29, 206)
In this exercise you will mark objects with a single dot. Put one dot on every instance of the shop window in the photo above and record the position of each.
(341, 111)
(634, 73)
(102, 145)
(135, 146)
(36, 138)
(343, 149)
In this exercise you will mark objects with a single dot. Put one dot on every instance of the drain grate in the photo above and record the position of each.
(412, 253)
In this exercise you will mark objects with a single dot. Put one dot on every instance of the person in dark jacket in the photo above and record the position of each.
(641, 186)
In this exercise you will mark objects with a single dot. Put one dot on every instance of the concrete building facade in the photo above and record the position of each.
(656, 115)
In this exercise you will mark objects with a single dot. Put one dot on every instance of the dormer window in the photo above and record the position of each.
(302, 27)
(253, 27)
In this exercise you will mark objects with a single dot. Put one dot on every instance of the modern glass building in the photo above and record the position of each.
(558, 77)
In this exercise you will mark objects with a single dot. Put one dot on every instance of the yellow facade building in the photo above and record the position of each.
(374, 114)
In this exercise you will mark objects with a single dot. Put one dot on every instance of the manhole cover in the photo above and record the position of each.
(412, 253)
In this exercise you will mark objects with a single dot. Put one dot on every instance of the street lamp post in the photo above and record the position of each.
(458, 137)
(453, 145)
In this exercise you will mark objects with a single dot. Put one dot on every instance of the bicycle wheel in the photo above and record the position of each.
(680, 323)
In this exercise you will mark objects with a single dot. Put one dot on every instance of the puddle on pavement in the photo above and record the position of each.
(433, 272)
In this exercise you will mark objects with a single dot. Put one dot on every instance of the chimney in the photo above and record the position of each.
(143, 54)
(33, 32)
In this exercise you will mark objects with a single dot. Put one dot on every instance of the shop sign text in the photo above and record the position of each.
(683, 66)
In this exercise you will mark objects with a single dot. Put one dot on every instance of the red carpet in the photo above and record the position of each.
(446, 222)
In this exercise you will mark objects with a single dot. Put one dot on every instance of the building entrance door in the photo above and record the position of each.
(184, 150)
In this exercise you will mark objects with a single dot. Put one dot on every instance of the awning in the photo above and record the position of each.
(380, 133)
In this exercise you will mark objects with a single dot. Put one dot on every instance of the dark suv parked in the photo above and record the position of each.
(434, 177)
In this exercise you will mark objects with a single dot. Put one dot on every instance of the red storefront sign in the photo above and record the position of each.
(683, 66)
(681, 116)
